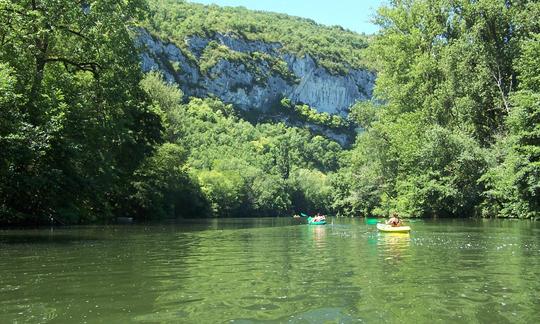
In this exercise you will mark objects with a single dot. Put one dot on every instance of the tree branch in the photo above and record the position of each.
(84, 66)
(72, 31)
(499, 81)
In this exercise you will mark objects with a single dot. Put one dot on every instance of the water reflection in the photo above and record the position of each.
(318, 235)
(394, 246)
(273, 270)
(394, 241)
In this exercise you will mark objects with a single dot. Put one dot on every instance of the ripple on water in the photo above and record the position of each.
(278, 273)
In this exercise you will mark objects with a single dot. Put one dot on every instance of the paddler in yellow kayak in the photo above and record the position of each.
(394, 221)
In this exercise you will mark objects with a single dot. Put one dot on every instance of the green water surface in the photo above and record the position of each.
(273, 270)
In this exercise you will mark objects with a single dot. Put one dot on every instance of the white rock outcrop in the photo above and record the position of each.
(234, 82)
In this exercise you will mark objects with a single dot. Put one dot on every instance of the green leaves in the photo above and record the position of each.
(76, 124)
(452, 136)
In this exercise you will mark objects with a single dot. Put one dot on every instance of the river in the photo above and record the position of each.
(272, 270)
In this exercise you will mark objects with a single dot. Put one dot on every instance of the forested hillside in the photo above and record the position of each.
(254, 60)
(86, 136)
(335, 48)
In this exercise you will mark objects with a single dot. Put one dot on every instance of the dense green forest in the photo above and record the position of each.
(453, 129)
(457, 133)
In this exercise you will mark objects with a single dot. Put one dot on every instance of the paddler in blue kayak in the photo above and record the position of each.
(394, 221)
(319, 218)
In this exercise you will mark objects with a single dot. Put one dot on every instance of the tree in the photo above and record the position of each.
(449, 59)
(449, 133)
(83, 124)
(163, 187)
(513, 180)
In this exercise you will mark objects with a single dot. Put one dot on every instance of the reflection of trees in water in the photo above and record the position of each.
(232, 274)
(256, 274)
(299, 271)
(92, 272)
(495, 272)
(468, 272)
(464, 272)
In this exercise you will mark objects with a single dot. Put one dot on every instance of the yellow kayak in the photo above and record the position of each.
(393, 229)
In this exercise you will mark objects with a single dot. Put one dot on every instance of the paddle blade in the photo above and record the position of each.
(372, 221)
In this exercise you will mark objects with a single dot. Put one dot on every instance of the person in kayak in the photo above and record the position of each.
(394, 221)
(319, 218)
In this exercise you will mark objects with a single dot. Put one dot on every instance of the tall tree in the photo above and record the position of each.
(80, 123)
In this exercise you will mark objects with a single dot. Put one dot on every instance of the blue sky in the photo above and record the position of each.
(352, 14)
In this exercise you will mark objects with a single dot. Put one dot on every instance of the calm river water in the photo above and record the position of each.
(274, 270)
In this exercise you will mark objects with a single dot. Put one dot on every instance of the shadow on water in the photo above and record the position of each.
(15, 237)
(204, 224)
(41, 239)
(81, 234)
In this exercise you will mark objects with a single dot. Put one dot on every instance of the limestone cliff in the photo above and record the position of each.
(254, 75)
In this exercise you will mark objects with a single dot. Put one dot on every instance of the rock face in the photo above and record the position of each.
(238, 83)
